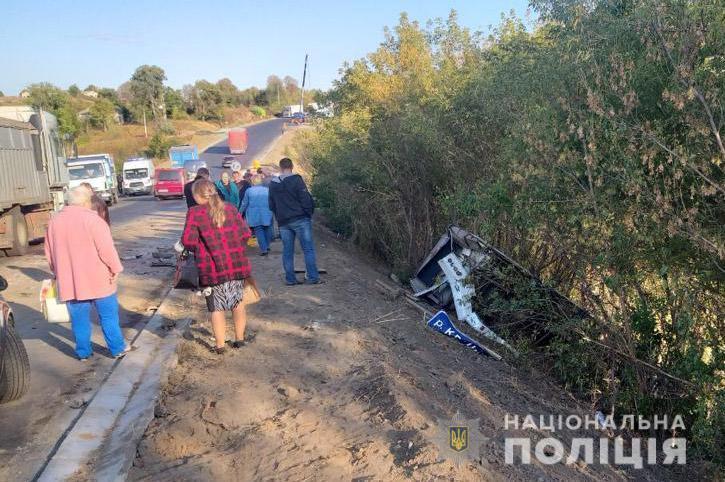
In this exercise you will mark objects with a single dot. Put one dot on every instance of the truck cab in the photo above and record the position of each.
(97, 170)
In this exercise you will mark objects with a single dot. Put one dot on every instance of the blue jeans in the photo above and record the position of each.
(264, 237)
(80, 318)
(301, 228)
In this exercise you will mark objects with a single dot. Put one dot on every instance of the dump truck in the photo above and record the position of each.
(33, 175)
(178, 155)
(238, 140)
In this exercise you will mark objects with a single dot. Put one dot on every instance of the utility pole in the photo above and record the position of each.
(302, 95)
(145, 132)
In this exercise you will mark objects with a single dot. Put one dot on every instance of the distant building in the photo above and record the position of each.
(90, 93)
(24, 94)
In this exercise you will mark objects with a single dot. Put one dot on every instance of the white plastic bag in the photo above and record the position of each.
(54, 310)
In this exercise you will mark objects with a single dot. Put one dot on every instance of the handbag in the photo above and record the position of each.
(187, 273)
(54, 310)
(251, 291)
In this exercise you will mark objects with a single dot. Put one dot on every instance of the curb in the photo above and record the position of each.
(119, 413)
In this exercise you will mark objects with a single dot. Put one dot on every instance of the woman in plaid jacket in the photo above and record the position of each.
(217, 234)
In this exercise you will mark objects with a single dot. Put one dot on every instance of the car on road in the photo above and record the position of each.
(14, 363)
(228, 160)
(298, 117)
(192, 166)
(169, 183)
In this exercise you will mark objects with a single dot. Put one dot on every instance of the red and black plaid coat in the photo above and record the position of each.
(219, 251)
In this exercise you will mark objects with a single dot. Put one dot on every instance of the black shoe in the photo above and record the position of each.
(297, 282)
(264, 253)
(316, 282)
(219, 350)
(247, 340)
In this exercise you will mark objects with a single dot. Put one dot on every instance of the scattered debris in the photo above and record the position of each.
(130, 257)
(77, 403)
(163, 257)
(442, 323)
(163, 263)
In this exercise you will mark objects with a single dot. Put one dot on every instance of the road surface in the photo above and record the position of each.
(31, 427)
(261, 136)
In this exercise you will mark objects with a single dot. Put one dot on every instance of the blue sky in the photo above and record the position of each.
(101, 42)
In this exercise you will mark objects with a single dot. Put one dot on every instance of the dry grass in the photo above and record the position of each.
(128, 140)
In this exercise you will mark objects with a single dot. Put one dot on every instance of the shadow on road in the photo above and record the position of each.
(33, 273)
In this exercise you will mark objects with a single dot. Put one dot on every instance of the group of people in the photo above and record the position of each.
(218, 227)
(219, 223)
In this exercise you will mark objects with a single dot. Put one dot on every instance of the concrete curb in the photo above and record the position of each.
(119, 413)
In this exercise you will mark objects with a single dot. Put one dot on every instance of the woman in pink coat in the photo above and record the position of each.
(81, 254)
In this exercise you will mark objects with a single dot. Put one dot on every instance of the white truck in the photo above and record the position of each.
(33, 175)
(98, 171)
(289, 110)
(138, 176)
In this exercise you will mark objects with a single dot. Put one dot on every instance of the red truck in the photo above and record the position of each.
(238, 140)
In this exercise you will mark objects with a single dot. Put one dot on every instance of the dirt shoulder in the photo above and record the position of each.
(343, 383)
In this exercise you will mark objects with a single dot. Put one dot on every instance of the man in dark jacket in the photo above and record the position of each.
(292, 205)
(202, 173)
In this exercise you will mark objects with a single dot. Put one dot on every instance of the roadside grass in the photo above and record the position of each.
(128, 140)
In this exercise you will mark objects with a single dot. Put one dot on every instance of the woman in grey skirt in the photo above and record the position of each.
(217, 234)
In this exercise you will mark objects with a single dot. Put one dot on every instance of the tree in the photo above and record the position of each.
(249, 96)
(206, 100)
(147, 89)
(228, 91)
(73, 90)
(107, 93)
(1, 94)
(174, 103)
(274, 93)
(46, 96)
(291, 86)
(101, 113)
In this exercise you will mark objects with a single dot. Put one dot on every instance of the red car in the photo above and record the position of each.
(169, 183)
(14, 363)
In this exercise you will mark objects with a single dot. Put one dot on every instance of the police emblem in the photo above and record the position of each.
(459, 439)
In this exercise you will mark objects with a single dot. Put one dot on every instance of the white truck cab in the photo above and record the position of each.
(138, 176)
(97, 170)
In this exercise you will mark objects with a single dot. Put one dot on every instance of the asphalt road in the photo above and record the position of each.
(260, 135)
(30, 427)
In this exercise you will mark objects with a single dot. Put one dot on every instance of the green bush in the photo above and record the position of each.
(159, 146)
(589, 149)
(258, 111)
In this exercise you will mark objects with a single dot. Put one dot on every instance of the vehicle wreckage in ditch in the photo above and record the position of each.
(477, 279)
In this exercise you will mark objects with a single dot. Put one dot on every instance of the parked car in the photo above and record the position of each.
(14, 363)
(298, 118)
(192, 166)
(227, 161)
(169, 183)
